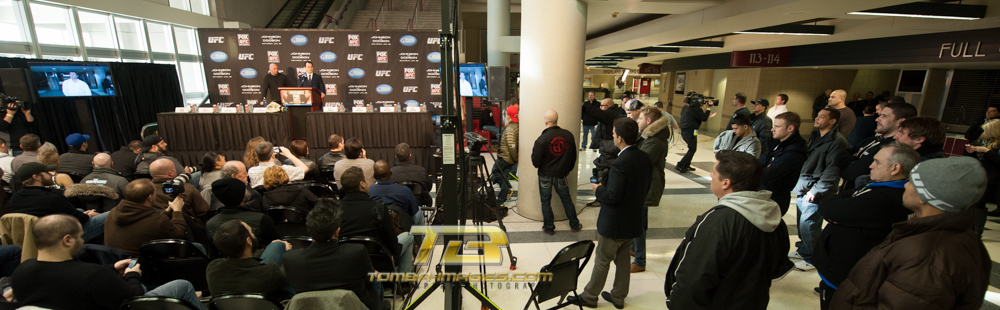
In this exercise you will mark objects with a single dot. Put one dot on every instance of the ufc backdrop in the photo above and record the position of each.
(382, 68)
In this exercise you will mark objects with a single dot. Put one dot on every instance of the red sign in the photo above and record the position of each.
(770, 57)
(649, 69)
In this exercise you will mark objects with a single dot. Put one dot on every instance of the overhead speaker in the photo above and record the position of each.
(16, 82)
(499, 83)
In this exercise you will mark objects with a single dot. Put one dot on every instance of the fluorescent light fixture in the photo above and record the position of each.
(929, 10)
(695, 44)
(792, 29)
(656, 49)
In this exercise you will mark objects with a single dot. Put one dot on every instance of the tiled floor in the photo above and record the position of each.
(686, 197)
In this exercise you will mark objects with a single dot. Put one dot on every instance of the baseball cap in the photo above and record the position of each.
(32, 168)
(762, 102)
(512, 112)
(950, 184)
(150, 141)
(76, 139)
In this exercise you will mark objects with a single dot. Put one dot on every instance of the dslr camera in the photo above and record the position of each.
(173, 188)
(7, 100)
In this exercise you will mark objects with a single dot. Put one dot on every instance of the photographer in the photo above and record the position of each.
(163, 173)
(16, 124)
(694, 112)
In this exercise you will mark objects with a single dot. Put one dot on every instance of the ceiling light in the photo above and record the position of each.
(792, 29)
(929, 10)
(655, 49)
(695, 44)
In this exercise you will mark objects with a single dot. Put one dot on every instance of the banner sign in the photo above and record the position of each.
(359, 68)
(297, 97)
(771, 57)
(649, 69)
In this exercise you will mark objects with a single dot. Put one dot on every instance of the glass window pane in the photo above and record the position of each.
(16, 55)
(102, 59)
(135, 60)
(52, 57)
(53, 25)
(130, 34)
(180, 4)
(193, 76)
(160, 39)
(96, 29)
(200, 7)
(186, 43)
(11, 22)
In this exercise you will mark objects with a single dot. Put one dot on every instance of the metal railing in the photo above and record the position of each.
(373, 22)
(343, 10)
(412, 23)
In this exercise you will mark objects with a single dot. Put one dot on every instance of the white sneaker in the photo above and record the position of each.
(804, 266)
(794, 254)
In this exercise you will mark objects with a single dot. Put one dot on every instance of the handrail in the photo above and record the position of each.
(375, 21)
(372, 23)
(336, 21)
(413, 19)
(409, 25)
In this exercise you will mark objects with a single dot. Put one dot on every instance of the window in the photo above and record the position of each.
(200, 7)
(180, 4)
(53, 57)
(186, 40)
(53, 25)
(192, 77)
(11, 22)
(96, 29)
(99, 59)
(130, 34)
(160, 38)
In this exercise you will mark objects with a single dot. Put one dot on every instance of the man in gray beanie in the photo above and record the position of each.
(934, 260)
(231, 193)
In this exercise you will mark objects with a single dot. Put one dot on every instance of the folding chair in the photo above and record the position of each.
(565, 268)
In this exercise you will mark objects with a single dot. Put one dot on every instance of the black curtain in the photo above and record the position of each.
(143, 90)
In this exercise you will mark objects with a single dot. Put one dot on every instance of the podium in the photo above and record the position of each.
(300, 101)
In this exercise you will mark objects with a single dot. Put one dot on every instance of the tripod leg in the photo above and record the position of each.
(487, 303)
(423, 296)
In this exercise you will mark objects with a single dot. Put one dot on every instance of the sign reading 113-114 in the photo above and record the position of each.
(771, 57)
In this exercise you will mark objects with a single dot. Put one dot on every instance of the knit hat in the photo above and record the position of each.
(229, 191)
(950, 184)
(512, 112)
(762, 102)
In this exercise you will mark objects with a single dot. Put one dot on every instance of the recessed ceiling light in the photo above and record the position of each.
(929, 10)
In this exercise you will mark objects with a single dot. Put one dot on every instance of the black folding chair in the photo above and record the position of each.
(319, 189)
(156, 303)
(565, 267)
(298, 242)
(242, 302)
(417, 189)
(174, 259)
(380, 256)
(288, 221)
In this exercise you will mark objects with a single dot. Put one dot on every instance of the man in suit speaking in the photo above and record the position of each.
(313, 80)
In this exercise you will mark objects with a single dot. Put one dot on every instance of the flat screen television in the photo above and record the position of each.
(72, 79)
(472, 80)
(911, 81)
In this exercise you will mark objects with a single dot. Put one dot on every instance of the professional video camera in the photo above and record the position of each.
(697, 100)
(476, 142)
(7, 100)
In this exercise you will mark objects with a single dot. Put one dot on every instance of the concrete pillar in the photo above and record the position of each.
(553, 35)
(497, 26)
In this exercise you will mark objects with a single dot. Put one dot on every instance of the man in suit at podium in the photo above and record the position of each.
(313, 80)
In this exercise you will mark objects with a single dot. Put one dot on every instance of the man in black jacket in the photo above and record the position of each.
(606, 117)
(272, 81)
(239, 271)
(231, 192)
(976, 129)
(36, 198)
(124, 159)
(308, 79)
(365, 217)
(692, 115)
(406, 171)
(821, 101)
(622, 196)
(859, 219)
(886, 126)
(782, 163)
(17, 124)
(726, 259)
(589, 123)
(740, 103)
(554, 157)
(76, 161)
(924, 134)
(336, 153)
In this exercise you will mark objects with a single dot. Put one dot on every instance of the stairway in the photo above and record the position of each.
(399, 16)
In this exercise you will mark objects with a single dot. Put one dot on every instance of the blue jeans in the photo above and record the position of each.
(274, 253)
(545, 185)
(180, 289)
(588, 131)
(94, 227)
(499, 175)
(406, 254)
(810, 225)
(10, 258)
(493, 129)
(639, 246)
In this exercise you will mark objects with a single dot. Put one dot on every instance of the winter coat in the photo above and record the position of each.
(130, 224)
(509, 143)
(934, 262)
(692, 117)
(653, 141)
(761, 127)
(856, 165)
(782, 165)
(76, 162)
(554, 153)
(748, 144)
(328, 160)
(726, 258)
(107, 177)
(820, 173)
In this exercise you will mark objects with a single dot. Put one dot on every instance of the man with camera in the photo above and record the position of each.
(135, 220)
(172, 185)
(265, 155)
(694, 112)
(16, 124)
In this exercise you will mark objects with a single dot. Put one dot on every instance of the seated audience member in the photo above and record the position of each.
(741, 138)
(300, 150)
(135, 220)
(36, 198)
(336, 153)
(250, 156)
(864, 127)
(49, 155)
(987, 151)
(124, 158)
(235, 169)
(76, 161)
(104, 175)
(328, 265)
(280, 193)
(356, 157)
(29, 145)
(231, 192)
(5, 161)
(406, 171)
(10, 258)
(388, 192)
(211, 169)
(933, 260)
(859, 219)
(240, 271)
(924, 134)
(265, 155)
(360, 213)
(55, 280)
(162, 171)
(154, 148)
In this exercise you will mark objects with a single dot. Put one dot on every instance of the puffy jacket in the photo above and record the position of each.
(726, 258)
(761, 126)
(653, 141)
(508, 144)
(820, 173)
(748, 144)
(782, 165)
(290, 195)
(554, 153)
(107, 177)
(129, 224)
(934, 262)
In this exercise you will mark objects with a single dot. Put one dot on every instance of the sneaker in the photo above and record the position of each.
(804, 266)
(795, 255)
(577, 229)
(817, 291)
(782, 271)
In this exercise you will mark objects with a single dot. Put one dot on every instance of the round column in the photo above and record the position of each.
(497, 25)
(553, 37)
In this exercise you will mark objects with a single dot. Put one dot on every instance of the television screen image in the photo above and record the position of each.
(72, 79)
(472, 80)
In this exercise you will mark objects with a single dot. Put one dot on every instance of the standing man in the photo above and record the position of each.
(507, 156)
(934, 260)
(821, 101)
(272, 81)
(856, 105)
(819, 178)
(976, 129)
(779, 106)
(886, 126)
(606, 117)
(847, 118)
(554, 159)
(621, 207)
(17, 125)
(312, 80)
(782, 163)
(589, 122)
(694, 112)
(75, 87)
(724, 261)
(762, 123)
(654, 132)
(740, 103)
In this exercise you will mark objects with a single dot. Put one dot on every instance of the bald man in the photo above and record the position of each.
(235, 169)
(554, 156)
(388, 192)
(163, 170)
(105, 175)
(847, 118)
(273, 80)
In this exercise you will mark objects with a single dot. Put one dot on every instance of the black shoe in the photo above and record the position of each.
(595, 204)
(607, 297)
(816, 289)
(782, 271)
(994, 212)
(579, 301)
